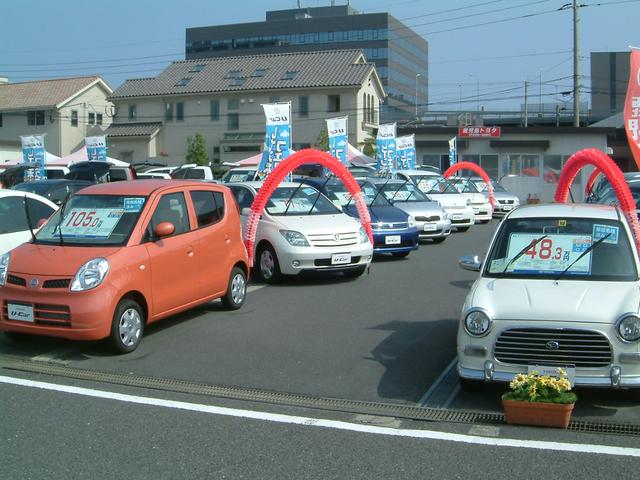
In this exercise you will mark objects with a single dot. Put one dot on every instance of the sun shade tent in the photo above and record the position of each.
(50, 159)
(354, 156)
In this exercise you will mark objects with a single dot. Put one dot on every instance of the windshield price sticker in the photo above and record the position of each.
(552, 254)
(400, 195)
(601, 231)
(90, 223)
(133, 204)
(237, 177)
(342, 197)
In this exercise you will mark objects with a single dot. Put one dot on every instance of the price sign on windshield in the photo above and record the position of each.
(90, 223)
(552, 254)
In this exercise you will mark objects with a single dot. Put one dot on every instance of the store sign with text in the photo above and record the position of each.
(479, 132)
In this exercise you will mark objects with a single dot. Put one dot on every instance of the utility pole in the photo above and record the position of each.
(526, 106)
(576, 67)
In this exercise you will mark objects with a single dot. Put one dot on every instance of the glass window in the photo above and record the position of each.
(233, 121)
(132, 112)
(168, 112)
(197, 68)
(259, 72)
(74, 118)
(13, 216)
(0, 119)
(334, 103)
(35, 117)
(92, 118)
(299, 201)
(215, 110)
(303, 108)
(490, 165)
(238, 82)
(179, 111)
(552, 166)
(243, 196)
(98, 118)
(209, 207)
(274, 99)
(290, 75)
(171, 208)
(183, 82)
(233, 104)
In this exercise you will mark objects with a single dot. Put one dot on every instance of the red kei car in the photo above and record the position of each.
(119, 256)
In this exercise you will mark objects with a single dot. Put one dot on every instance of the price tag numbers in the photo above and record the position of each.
(551, 254)
(90, 223)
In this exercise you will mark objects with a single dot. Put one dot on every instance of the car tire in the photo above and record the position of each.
(439, 240)
(462, 229)
(400, 254)
(354, 272)
(268, 266)
(236, 290)
(127, 326)
(470, 386)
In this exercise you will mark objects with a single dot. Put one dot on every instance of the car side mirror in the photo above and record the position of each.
(470, 262)
(164, 229)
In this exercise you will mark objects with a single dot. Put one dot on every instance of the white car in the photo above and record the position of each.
(479, 202)
(302, 230)
(14, 226)
(237, 175)
(155, 175)
(559, 288)
(504, 201)
(163, 170)
(440, 190)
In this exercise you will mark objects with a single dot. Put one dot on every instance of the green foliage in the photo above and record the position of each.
(541, 388)
(368, 146)
(197, 150)
(322, 141)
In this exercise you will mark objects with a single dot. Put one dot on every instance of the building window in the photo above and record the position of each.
(35, 117)
(237, 82)
(168, 112)
(274, 99)
(215, 110)
(92, 118)
(233, 74)
(132, 112)
(303, 106)
(74, 118)
(183, 82)
(0, 120)
(98, 118)
(334, 103)
(197, 68)
(259, 72)
(233, 104)
(233, 121)
(179, 111)
(290, 75)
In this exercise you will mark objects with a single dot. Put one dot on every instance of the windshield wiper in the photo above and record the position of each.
(396, 192)
(379, 191)
(28, 215)
(289, 201)
(522, 252)
(591, 247)
(318, 196)
(62, 208)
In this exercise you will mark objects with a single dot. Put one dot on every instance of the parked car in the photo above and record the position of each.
(193, 172)
(440, 190)
(163, 170)
(432, 221)
(558, 288)
(301, 230)
(100, 172)
(607, 195)
(394, 230)
(141, 167)
(482, 209)
(504, 200)
(239, 175)
(55, 190)
(20, 211)
(14, 175)
(122, 255)
(154, 175)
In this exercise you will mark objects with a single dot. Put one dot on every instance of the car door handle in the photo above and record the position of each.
(227, 239)
(190, 252)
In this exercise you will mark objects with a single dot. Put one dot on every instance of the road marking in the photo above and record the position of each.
(325, 423)
(430, 398)
(253, 288)
(55, 356)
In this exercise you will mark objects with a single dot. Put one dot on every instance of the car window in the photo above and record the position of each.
(171, 208)
(195, 173)
(52, 174)
(13, 217)
(305, 200)
(209, 207)
(117, 174)
(243, 196)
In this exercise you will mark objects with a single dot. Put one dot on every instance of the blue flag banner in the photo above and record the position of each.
(406, 152)
(337, 129)
(277, 141)
(33, 154)
(386, 149)
(453, 152)
(96, 148)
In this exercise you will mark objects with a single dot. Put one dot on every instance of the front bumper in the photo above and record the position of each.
(294, 260)
(461, 217)
(501, 209)
(437, 229)
(482, 213)
(395, 241)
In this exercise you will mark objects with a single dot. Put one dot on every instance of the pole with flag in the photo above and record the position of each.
(338, 135)
(277, 141)
(34, 154)
(386, 149)
(632, 105)
(96, 148)
(406, 152)
(453, 151)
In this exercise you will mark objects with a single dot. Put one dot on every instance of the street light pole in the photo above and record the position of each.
(417, 76)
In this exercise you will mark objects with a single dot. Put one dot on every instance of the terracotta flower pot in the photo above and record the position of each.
(537, 413)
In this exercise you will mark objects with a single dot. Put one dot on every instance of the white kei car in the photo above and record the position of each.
(15, 208)
(481, 205)
(559, 288)
(302, 230)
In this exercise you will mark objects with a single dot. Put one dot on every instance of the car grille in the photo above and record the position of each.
(432, 218)
(47, 315)
(506, 202)
(14, 280)
(525, 346)
(462, 220)
(57, 283)
(326, 262)
(390, 226)
(333, 239)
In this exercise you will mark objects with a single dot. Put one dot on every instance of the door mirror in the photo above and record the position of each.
(164, 229)
(470, 262)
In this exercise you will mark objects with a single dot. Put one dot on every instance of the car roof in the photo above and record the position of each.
(139, 187)
(6, 192)
(257, 184)
(572, 210)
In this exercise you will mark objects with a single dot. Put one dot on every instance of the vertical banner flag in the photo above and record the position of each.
(96, 148)
(406, 152)
(632, 106)
(453, 152)
(386, 149)
(33, 154)
(337, 129)
(277, 141)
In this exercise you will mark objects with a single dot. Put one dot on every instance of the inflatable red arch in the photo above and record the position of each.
(287, 166)
(477, 169)
(603, 163)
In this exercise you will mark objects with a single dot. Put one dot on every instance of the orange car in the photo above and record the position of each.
(121, 255)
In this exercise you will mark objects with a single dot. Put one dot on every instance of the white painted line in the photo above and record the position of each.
(54, 355)
(436, 384)
(451, 397)
(253, 288)
(317, 422)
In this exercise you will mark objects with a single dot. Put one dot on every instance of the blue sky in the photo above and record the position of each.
(122, 39)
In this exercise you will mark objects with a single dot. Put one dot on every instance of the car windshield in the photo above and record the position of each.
(93, 220)
(402, 192)
(304, 200)
(463, 185)
(372, 197)
(433, 184)
(610, 197)
(39, 188)
(233, 176)
(337, 193)
(548, 246)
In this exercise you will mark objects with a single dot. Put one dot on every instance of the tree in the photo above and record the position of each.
(197, 150)
(368, 146)
(322, 142)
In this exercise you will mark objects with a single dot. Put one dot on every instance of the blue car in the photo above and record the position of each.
(394, 231)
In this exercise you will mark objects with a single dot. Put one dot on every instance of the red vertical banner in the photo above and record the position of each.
(632, 106)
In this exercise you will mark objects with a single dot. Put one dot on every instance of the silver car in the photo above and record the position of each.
(505, 201)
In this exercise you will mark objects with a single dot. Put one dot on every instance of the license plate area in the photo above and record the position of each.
(20, 312)
(340, 258)
(392, 240)
(552, 371)
(430, 227)
(457, 216)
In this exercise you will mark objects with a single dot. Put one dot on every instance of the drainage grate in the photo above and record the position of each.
(410, 412)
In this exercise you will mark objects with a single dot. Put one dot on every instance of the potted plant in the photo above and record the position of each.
(542, 400)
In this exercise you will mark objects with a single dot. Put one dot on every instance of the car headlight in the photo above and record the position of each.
(90, 275)
(477, 323)
(468, 202)
(629, 327)
(516, 201)
(411, 221)
(4, 267)
(364, 238)
(294, 238)
(445, 215)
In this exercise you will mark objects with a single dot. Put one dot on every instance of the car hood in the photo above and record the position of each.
(317, 224)
(476, 198)
(54, 260)
(448, 199)
(385, 214)
(419, 209)
(565, 300)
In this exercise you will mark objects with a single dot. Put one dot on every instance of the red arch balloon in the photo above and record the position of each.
(604, 164)
(474, 167)
(283, 169)
(592, 179)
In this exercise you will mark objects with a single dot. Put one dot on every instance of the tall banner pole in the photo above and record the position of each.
(632, 105)
(386, 149)
(406, 152)
(277, 142)
(96, 148)
(453, 151)
(34, 154)
(338, 135)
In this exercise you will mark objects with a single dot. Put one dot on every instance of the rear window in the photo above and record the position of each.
(209, 207)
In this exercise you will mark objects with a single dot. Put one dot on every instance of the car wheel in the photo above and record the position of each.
(400, 254)
(17, 336)
(236, 290)
(462, 229)
(127, 326)
(439, 240)
(354, 272)
(470, 386)
(269, 266)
